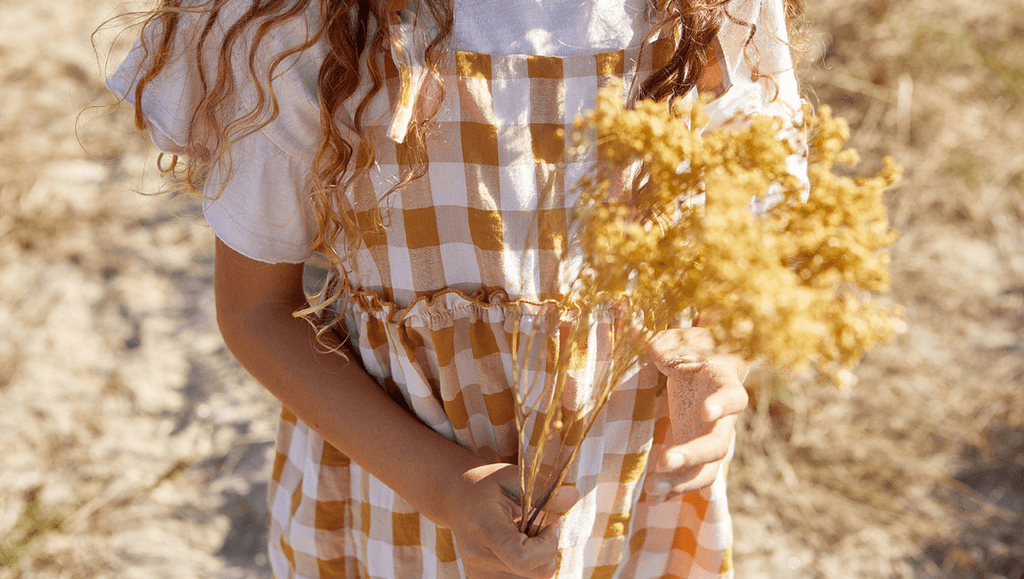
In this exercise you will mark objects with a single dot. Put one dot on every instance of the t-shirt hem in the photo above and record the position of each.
(250, 244)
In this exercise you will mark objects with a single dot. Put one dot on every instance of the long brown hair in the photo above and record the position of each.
(356, 34)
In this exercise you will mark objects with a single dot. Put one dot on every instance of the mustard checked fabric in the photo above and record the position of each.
(471, 221)
(458, 277)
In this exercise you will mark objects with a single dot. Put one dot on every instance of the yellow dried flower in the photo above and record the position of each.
(664, 225)
(790, 284)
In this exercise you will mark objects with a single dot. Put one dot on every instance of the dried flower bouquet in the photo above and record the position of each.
(673, 222)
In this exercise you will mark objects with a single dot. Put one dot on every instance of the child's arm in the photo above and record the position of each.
(449, 484)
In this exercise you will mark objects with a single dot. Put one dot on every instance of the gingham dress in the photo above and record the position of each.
(437, 301)
(471, 222)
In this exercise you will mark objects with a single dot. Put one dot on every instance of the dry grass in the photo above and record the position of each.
(114, 431)
(917, 471)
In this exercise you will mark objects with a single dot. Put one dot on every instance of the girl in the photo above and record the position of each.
(416, 147)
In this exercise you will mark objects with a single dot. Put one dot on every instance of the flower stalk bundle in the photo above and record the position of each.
(674, 222)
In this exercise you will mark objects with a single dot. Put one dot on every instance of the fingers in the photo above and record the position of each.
(686, 481)
(532, 557)
(548, 543)
(564, 499)
(493, 547)
(694, 465)
(509, 553)
(487, 537)
(708, 448)
(728, 396)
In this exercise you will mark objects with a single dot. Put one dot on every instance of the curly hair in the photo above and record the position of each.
(356, 34)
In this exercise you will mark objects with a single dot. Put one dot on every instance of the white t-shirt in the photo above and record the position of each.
(261, 211)
(548, 27)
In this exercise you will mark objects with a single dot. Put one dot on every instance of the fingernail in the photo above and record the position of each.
(675, 459)
(715, 412)
(662, 487)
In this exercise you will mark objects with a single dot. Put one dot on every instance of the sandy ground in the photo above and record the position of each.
(136, 447)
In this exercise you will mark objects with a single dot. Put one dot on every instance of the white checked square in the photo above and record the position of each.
(665, 515)
(525, 262)
(591, 455)
(653, 562)
(579, 97)
(511, 106)
(515, 146)
(518, 187)
(303, 538)
(400, 262)
(576, 525)
(427, 531)
(379, 495)
(616, 433)
(310, 483)
(380, 554)
(417, 389)
(573, 173)
(281, 506)
(460, 264)
(448, 184)
(449, 111)
(716, 536)
(299, 444)
(278, 562)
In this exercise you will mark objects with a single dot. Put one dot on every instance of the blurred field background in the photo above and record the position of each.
(136, 447)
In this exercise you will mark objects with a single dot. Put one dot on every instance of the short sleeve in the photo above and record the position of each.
(170, 100)
(262, 211)
(166, 102)
(256, 194)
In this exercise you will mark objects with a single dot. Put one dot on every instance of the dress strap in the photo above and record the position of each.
(409, 39)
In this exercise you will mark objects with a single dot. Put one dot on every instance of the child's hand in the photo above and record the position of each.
(706, 395)
(483, 519)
